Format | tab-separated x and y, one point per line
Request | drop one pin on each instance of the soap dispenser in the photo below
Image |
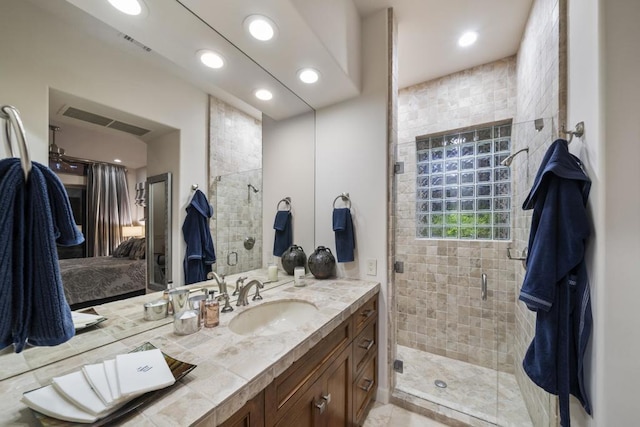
211	311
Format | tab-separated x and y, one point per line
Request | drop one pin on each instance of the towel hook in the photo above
287	201
12	117
194	187
579	131
345	197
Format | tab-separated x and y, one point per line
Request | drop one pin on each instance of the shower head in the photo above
508	160
255	190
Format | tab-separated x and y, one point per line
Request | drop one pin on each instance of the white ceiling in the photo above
428	32
309	34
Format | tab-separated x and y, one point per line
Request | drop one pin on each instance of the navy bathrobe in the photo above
556	285
200	253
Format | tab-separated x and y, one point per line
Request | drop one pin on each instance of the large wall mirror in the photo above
89	52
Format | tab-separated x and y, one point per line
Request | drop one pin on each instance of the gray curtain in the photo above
108	208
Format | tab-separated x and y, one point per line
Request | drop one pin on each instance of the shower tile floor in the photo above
471	389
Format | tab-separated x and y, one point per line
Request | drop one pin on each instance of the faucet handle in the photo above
239	284
257	295
227	307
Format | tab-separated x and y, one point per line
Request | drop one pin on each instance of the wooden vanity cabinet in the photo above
365	360
332	385
250	415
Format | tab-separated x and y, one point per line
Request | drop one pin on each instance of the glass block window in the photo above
462	191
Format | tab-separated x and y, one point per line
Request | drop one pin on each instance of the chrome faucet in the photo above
244	292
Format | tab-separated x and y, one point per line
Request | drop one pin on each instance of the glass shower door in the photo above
237	221
445	330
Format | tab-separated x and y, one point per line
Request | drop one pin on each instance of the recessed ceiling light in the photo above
308	75
260	27
117	160
263	94
130	7
467	39
211	59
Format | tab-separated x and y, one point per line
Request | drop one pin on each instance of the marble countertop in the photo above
231	368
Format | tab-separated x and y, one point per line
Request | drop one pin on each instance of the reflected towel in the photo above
345	238
37	212
284	232
200	253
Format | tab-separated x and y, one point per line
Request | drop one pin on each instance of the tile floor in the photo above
393	416
472	391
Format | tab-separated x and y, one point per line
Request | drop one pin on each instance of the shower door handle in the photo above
483	292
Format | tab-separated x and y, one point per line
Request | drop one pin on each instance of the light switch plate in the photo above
372	268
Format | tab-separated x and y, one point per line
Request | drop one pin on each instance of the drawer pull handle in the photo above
366	344
367	387
367	313
322	404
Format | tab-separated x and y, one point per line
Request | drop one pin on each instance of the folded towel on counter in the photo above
345	238
284	232
37	214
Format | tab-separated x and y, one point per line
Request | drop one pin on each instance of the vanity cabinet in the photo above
250	415
365	359
332	385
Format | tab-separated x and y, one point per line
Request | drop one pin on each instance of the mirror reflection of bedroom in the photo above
100	155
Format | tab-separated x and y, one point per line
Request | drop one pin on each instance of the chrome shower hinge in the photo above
398	267
398	168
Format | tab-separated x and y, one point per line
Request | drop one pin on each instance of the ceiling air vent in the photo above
126	127
87	116
103	121
136	42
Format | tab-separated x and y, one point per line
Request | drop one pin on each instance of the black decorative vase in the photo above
322	264
293	257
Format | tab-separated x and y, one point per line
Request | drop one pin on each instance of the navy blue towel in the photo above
284	232
34	215
345	238
200	253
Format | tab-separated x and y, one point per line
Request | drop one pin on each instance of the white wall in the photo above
604	93
288	162
44	53
351	156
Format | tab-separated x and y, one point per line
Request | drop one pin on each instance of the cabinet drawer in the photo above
279	396
364	388
366	313
364	345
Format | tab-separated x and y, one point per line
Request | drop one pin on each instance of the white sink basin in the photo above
273	318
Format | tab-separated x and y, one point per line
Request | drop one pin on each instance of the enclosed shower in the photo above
465	158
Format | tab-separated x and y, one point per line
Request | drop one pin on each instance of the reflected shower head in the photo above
255	190
508	160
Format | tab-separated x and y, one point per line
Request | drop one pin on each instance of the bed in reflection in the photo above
96	280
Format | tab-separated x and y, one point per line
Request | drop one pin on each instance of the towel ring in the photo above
287	201
345	197
11	114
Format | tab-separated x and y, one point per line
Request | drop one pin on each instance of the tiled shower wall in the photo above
541	94
235	160
439	306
